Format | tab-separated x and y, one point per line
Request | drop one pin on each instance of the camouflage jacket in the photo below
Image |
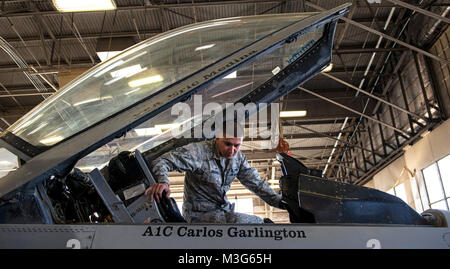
209	176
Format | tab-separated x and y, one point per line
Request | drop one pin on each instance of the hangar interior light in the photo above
83	5
299	113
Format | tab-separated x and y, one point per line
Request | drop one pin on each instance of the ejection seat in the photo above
127	176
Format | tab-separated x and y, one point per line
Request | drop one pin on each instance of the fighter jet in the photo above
269	56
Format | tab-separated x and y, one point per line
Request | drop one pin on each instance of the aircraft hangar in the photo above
377	116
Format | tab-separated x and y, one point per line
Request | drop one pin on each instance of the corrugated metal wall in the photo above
442	71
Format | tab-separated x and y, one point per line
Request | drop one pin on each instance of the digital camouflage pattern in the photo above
208	178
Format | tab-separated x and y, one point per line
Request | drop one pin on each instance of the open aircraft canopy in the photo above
243	59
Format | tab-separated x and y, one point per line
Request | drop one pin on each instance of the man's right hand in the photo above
156	191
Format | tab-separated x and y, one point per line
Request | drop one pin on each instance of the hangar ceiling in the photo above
379	97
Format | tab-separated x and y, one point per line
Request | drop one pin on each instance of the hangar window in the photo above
437	183
399	191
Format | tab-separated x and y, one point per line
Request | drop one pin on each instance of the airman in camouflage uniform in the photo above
209	174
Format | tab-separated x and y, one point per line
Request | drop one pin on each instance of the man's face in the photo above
228	147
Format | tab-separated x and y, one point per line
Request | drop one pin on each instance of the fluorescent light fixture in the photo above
51	140
125	73
128	71
83	5
299	113
105	55
328	68
231	75
205	47
86	101
145	81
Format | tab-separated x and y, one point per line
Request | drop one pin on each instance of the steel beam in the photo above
373	31
369	133
308	135
375	19
391	79
323	163
338	152
80	39
422	86
391	114
338	41
25	94
354	50
420	10
7	91
373	96
330	136
55	65
382	59
315	122
27	13
352	152
383	141
351	169
436	93
342	49
263	155
291	149
362	154
86	36
43	24
15	112
354	111
405	100
393	155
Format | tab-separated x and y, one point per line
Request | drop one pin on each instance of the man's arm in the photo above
250	178
180	159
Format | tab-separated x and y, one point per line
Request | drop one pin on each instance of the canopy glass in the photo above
153	65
